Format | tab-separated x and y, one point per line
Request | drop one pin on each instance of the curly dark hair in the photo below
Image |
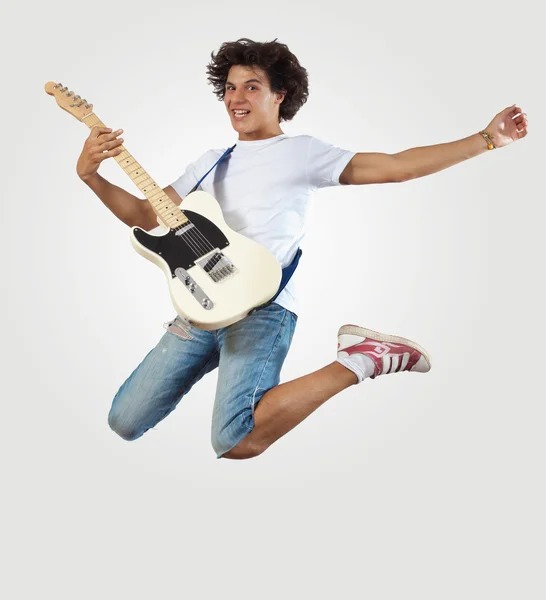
283	70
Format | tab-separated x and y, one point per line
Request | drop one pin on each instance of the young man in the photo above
263	188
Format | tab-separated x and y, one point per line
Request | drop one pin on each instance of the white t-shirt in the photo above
264	188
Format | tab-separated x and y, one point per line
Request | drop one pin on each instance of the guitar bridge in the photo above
217	266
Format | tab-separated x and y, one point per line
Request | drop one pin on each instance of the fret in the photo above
129	169
148	182
137	171
130	166
145	183
126	159
148	189
156	192
166	206
160	204
165	210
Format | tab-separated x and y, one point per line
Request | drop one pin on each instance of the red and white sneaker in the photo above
388	353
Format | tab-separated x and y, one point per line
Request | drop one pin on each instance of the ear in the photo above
281	95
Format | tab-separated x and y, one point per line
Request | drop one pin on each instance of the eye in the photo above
228	87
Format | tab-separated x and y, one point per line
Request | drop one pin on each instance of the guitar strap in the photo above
228	151
288	271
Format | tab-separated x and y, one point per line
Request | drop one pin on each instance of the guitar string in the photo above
195	238
221	270
196	234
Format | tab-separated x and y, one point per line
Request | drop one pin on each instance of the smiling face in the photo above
247	89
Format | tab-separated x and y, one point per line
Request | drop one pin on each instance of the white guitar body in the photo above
224	281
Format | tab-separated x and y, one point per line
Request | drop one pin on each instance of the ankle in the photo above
344	372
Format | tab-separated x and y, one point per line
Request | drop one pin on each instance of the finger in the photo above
113	152
108	144
96	131
512	111
114	134
105	137
521	121
98	157
101	143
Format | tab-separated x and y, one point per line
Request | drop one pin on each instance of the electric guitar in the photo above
215	275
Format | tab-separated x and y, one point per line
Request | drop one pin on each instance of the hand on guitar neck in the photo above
101	144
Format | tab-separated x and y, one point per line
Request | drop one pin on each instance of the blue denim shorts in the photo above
249	355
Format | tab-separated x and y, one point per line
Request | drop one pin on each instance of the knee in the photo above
246	448
125	429
242	453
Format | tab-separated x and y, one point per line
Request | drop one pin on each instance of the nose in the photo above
238	96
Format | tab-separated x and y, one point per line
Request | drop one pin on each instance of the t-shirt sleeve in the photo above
194	171
325	163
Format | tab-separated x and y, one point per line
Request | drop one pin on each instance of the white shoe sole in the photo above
382	337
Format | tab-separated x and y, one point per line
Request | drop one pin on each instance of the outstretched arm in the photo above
375	167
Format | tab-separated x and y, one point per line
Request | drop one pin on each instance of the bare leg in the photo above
281	408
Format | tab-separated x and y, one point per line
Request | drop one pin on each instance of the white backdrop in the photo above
409	486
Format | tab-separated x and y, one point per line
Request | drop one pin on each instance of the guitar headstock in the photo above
69	101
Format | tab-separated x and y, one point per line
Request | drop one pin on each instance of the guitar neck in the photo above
169	213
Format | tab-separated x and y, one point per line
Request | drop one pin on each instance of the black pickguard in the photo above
183	251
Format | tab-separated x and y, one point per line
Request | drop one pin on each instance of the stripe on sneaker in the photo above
403	362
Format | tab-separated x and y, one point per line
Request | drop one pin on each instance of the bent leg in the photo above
252	352
167	373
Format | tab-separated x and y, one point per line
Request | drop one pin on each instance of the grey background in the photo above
408	486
